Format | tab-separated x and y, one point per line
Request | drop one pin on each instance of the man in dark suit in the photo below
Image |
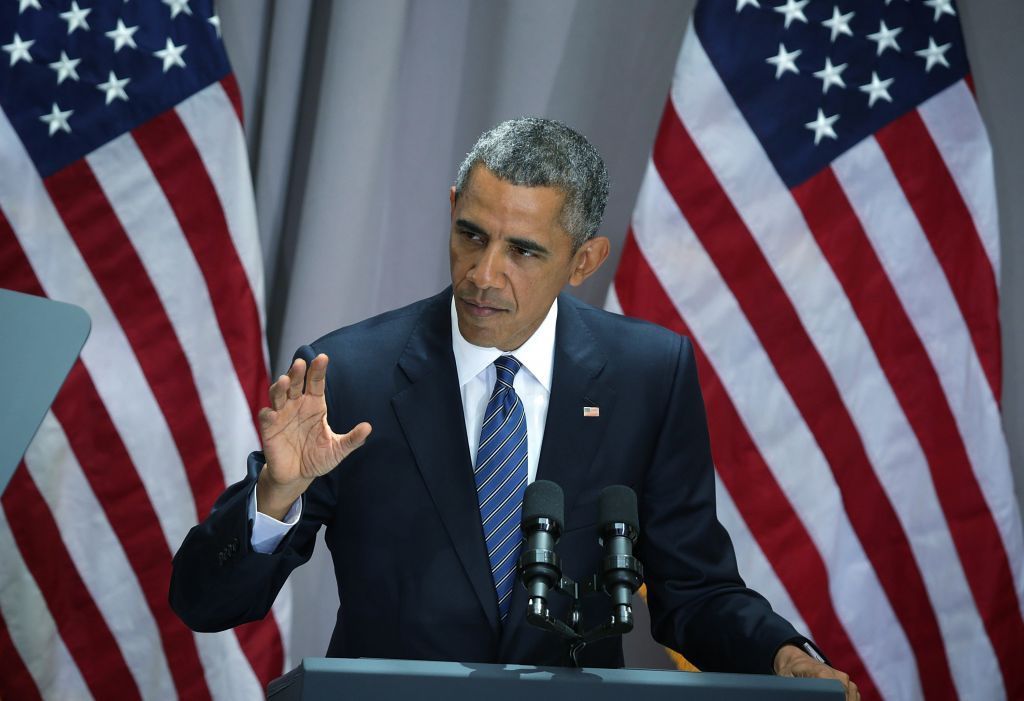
421	516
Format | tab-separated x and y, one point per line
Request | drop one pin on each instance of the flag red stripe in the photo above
115	483
772	520
81	625
230	85
741	263
935	199
907	367
261	641
126	286
16	681
179	169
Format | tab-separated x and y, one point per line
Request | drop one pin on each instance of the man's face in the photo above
510	257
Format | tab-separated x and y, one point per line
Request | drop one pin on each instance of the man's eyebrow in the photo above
470	226
518	242
527	245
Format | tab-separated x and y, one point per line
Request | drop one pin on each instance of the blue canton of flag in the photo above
840	71
75	76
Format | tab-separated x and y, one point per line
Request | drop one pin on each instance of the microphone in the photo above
621	572
539	565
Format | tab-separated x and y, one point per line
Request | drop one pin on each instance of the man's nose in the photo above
489	270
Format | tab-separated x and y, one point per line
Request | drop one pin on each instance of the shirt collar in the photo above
537	354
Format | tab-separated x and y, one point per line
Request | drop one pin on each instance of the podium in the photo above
319	679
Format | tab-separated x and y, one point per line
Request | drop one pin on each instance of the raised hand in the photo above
298	443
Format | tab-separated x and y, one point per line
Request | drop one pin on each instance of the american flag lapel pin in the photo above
591	412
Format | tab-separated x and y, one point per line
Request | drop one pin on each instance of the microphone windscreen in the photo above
617	504
544	499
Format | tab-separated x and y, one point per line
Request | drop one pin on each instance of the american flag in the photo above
124	188
818	214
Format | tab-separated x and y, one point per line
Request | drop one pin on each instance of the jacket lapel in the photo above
430	413
571	438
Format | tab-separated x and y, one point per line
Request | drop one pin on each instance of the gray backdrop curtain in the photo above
359	111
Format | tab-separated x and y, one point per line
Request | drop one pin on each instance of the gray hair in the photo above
532	151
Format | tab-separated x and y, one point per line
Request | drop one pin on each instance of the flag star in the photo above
122	36
25	4
18	49
75	17
784	61
822	126
831	75
886	38
941	7
934	54
740	4
877	89
215	21
57	119
65	68
839	24
178	6
114	87
793	9
171	55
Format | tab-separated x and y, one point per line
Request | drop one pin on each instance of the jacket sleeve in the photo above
699	604
217	580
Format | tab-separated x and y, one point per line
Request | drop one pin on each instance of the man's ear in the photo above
588	259
451	199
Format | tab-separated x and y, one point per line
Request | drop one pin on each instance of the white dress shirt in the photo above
475	368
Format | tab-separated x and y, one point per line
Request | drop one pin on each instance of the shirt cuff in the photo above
267	531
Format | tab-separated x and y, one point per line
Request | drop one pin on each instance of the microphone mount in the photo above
621	575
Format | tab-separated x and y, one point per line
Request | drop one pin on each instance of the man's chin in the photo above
478	331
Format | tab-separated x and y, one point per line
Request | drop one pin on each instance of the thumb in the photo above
354	439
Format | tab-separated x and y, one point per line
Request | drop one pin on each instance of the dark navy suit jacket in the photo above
402	520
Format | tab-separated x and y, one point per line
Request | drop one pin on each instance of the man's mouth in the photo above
480	308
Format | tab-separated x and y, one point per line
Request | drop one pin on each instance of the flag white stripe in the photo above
611	302
32	628
228	673
221	146
709	308
149	222
774	220
99	558
921	285
753	564
955	126
107	354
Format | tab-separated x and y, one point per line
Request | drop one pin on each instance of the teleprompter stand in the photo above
39	342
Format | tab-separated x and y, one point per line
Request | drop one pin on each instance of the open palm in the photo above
298	443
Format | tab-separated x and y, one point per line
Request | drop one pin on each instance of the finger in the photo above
279	392
354	439
266	417
296	374
316	377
